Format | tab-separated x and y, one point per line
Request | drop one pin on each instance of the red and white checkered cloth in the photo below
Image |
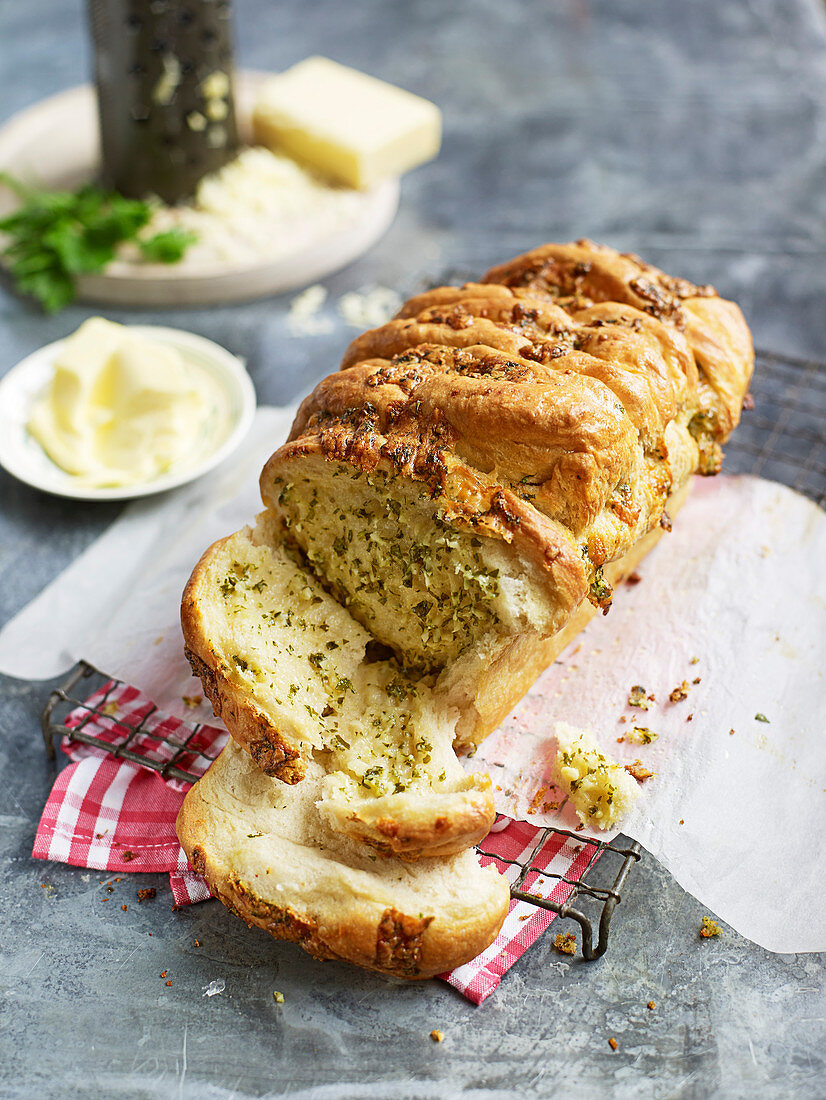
115	815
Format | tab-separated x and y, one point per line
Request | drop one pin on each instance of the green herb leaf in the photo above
761	718
58	235
167	247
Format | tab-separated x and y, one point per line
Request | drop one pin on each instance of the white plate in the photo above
23	456
57	144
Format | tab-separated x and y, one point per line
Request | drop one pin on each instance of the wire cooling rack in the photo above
783	437
186	756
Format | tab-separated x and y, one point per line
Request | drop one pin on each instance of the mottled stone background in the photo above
693	132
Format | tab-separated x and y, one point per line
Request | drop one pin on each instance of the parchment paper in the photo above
734	596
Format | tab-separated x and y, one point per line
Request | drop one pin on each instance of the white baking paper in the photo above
734	596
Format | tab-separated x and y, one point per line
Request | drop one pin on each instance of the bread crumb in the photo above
642	735
598	787
613	1044
147	894
639	772
710	928
127	856
680	692
192	700
123	907
436	1035
163	973
637	697
694	661
169	983
633	578
652	1005
565	943
278	997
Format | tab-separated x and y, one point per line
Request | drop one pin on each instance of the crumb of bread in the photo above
565	943
436	1035
680	692
639	772
642	735
600	790
637	697
652	1005
613	1044
710	928
278	997
147	893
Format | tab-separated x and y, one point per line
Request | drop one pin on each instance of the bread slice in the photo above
297	682
271	857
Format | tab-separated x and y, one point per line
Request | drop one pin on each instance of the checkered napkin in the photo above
116	815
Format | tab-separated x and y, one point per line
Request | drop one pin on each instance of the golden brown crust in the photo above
464	822
575	384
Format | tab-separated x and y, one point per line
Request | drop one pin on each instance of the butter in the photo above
349	126
121	408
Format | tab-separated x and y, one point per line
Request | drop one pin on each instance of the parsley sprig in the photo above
57	235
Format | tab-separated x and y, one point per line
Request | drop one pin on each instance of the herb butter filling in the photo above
420	584
306	663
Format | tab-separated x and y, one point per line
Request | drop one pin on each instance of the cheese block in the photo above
349	126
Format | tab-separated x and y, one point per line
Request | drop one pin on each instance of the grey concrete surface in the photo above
694	133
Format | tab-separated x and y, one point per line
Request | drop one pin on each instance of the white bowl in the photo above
26	460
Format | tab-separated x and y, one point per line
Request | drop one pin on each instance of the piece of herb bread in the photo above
296	678
271	857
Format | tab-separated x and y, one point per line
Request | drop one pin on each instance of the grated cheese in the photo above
305	317
260	206
369	307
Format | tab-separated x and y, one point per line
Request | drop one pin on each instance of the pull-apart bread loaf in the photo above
449	510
